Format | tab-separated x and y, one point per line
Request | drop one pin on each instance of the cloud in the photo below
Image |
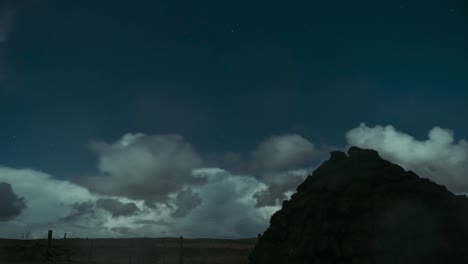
117	208
47	198
227	208
282	152
279	185
438	157
48	201
80	210
10	204
282	162
146	167
223	207
152	185
185	201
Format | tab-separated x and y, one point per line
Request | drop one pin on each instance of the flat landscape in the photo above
128	251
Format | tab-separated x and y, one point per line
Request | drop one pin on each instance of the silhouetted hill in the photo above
360	208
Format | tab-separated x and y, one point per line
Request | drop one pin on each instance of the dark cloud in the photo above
282	162
117	208
279	185
79	210
185	201
10	204
146	167
126	231
276	194
152	222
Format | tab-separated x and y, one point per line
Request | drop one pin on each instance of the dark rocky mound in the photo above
361	208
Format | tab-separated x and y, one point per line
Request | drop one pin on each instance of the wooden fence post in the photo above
49	244
49	239
90	248
181	250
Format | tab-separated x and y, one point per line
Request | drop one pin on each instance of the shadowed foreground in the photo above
127	251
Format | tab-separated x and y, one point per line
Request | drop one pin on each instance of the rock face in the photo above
360	208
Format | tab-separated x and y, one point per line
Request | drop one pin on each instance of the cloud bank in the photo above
158	185
150	185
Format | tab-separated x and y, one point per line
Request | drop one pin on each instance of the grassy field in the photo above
127	251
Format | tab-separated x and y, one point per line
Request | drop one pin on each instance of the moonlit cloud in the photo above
283	152
47	200
438	157
282	162
226	199
156	185
279	184
146	167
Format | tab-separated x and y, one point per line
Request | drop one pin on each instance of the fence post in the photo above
89	251
49	244
49	239
181	250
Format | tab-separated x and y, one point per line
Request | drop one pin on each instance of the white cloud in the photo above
227	208
438	157
47	199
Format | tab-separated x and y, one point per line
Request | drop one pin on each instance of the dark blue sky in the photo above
225	75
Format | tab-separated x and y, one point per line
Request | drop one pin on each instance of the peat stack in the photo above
360	208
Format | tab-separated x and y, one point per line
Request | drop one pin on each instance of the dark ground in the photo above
128	251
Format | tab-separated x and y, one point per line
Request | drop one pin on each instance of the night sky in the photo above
197	118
